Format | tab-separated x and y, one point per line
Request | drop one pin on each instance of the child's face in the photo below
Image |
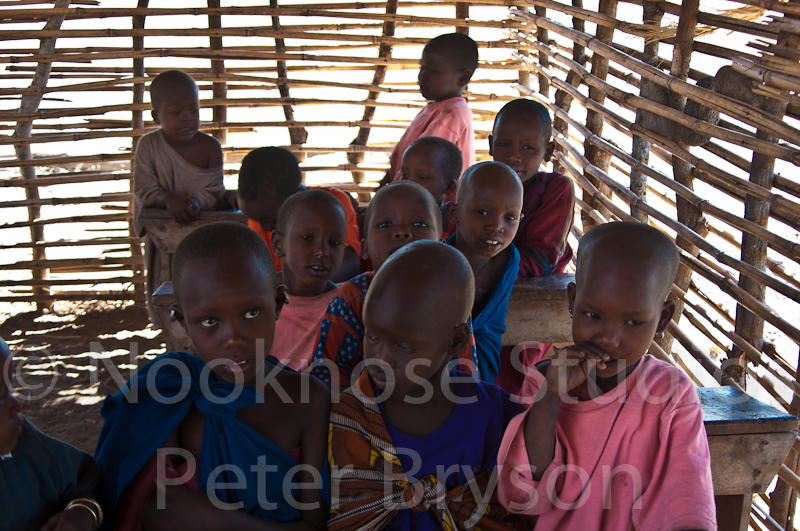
517	140
10	418
264	209
617	309
404	343
312	248
400	219
438	77
178	114
228	307
487	216
422	164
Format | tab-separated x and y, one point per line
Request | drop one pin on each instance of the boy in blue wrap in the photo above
487	213
225	437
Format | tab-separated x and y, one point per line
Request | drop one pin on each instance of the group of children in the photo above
370	404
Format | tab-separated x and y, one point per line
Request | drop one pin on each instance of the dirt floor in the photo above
67	361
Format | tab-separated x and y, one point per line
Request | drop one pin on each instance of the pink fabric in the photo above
649	427
450	119
297	327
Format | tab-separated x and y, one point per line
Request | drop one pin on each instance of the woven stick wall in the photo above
705	150
657	122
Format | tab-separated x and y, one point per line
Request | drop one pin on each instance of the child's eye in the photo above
252	314
421	224
382	225
481	212
402	347
334	242
306	237
208	322
527	147
372	338
633	322
403	176
512	217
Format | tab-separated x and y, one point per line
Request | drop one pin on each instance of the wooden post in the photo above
754	251
563	98
688	214
462	13
219	89
384	51
640	150
594	120
297	135
137	122
543	36
30	104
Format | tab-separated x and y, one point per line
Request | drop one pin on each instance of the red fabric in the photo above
450	119
548	204
353	234
510	377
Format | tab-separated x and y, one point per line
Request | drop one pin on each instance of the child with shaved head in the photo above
227	434
614	439
487	212
413	443
177	167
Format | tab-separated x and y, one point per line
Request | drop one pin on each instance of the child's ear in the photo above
154	116
548	153
667	311
459	340
490	146
364	250
463	77
176	313
277	243
281	298
452	214
450	188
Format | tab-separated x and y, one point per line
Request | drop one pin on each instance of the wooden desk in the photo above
167	234
748	441
538	310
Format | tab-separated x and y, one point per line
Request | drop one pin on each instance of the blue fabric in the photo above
469	439
39	479
137	424
489	325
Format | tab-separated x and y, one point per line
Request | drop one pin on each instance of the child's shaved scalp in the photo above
643	246
451	155
478	171
308	197
538	114
432	271
461	49
222	239
168	81
386	193
269	169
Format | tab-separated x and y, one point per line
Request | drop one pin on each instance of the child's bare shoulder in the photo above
208	146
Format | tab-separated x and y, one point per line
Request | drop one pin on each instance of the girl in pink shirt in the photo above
614	438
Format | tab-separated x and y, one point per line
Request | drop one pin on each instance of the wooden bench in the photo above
538	310
166	233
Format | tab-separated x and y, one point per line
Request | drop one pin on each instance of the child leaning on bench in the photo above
176	167
521	138
45	483
413	444
190	438
614	438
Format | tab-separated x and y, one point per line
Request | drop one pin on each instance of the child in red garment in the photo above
447	64
521	138
268	176
435	164
309	240
614	439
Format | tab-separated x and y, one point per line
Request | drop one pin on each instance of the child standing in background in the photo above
487	213
309	241
614	439
45	483
177	167
447	64
435	164
413	444
267	178
521	138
